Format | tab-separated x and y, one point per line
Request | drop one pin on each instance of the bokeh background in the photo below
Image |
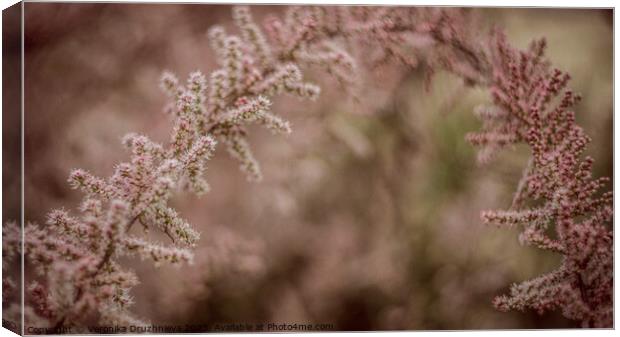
368	216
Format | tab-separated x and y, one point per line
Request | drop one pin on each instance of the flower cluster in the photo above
76	256
241	91
558	203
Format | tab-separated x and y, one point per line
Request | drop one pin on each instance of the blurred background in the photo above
368	216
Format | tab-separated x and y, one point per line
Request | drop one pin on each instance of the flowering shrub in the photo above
557	201
531	104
